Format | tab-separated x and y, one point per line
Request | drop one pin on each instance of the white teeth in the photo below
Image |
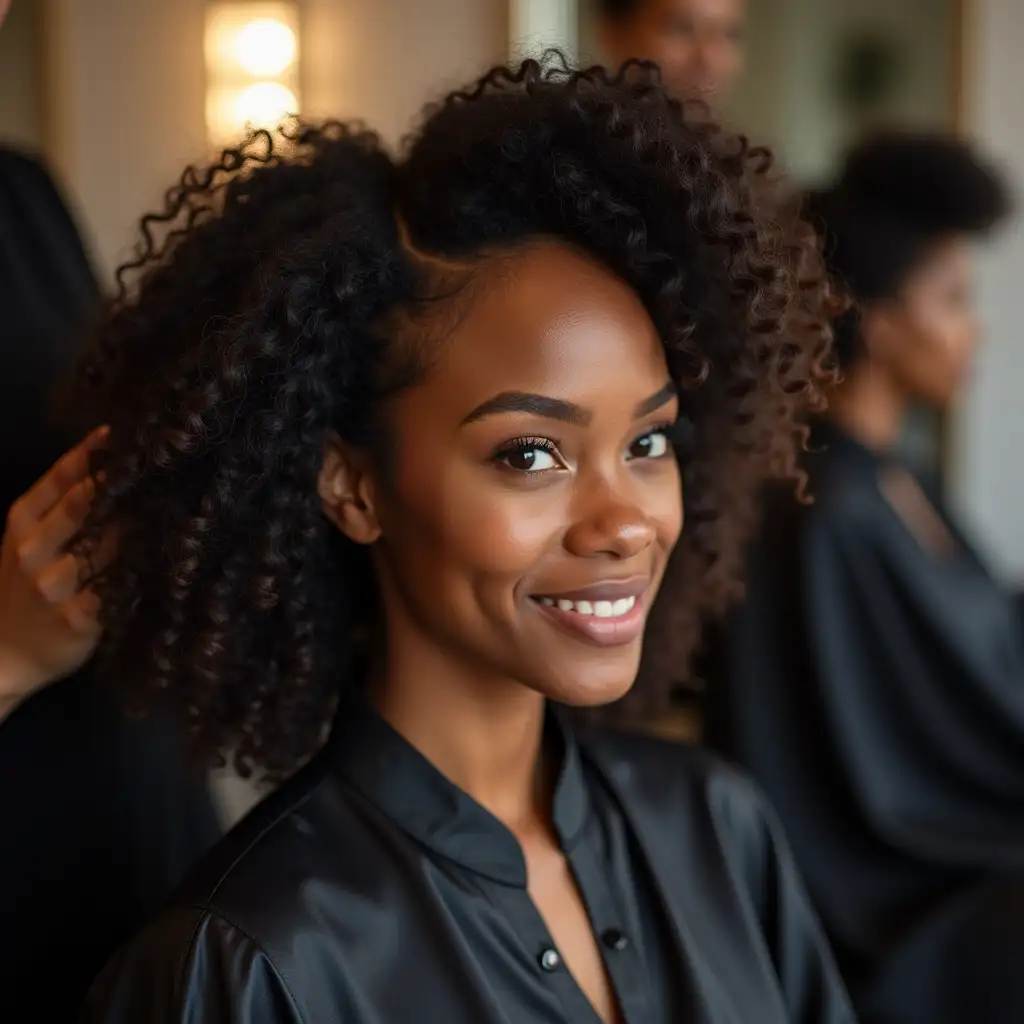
599	609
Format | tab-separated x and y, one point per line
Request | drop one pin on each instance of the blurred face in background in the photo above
4	5
697	43
927	337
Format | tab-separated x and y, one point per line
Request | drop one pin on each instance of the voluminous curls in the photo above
252	323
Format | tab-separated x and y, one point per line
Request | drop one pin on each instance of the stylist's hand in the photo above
48	623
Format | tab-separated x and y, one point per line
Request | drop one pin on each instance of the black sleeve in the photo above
191	967
802	958
105	821
45	222
920	684
49	295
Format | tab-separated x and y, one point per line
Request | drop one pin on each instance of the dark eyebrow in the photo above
557	408
656	401
537	405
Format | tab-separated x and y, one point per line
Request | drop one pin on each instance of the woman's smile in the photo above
608	614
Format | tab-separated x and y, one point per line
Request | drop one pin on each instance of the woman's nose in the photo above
612	528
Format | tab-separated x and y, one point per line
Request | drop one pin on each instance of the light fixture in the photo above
252	66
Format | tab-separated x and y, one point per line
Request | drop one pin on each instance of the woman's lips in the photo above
605	622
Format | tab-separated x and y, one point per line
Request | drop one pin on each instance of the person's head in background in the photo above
698	44
898	228
4	6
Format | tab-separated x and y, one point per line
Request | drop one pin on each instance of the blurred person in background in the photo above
395	452
697	44
97	817
873	678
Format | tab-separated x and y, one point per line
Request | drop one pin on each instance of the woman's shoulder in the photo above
15	164
698	817
249	912
164	976
680	781
257	875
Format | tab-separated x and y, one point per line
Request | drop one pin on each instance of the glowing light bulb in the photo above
264	47
264	105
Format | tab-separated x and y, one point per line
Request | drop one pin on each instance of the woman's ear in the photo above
346	489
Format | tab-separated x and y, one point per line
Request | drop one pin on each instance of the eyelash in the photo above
676	433
524	444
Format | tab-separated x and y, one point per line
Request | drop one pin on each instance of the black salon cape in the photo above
876	692
98	820
370	890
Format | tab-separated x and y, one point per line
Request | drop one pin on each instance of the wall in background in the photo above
125	85
380	60
21	77
537	25
125	99
789	96
988	433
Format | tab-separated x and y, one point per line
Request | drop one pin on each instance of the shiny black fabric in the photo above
876	692
99	823
48	294
98	819
371	890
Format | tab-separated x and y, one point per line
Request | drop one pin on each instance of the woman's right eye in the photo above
529	455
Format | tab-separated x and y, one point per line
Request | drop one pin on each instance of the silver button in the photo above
550	959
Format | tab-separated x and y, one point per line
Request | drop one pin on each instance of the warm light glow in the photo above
265	47
252	66
264	105
229	112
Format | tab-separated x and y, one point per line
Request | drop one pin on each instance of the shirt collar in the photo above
394	776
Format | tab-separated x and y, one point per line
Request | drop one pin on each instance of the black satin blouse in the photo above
371	890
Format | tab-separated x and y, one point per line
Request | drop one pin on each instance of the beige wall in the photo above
125	86
989	429
125	106
787	97
21	98
380	60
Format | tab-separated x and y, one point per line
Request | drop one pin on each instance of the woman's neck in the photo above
869	407
485	737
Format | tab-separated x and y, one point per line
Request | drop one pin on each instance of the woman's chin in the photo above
590	689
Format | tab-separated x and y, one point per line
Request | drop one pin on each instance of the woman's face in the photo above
933	334
533	498
698	44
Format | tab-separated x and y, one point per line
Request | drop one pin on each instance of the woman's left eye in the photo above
651	446
530	455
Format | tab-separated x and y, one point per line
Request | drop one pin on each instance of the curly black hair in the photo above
897	194
268	306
